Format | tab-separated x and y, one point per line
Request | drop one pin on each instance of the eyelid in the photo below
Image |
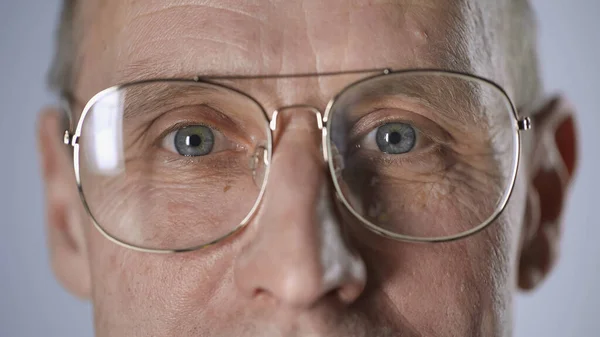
423	125
172	130
188	115
221	142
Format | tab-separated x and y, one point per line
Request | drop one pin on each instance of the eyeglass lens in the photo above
175	164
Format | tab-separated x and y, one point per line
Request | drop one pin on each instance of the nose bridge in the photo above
303	108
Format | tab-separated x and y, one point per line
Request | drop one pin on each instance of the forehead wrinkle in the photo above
145	40
177	13
450	48
420	3
441	47
175	65
440	51
442	27
219	4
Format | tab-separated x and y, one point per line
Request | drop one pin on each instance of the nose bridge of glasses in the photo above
301	108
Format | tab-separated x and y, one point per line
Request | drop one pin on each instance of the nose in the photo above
297	254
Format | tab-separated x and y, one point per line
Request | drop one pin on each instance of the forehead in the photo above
126	40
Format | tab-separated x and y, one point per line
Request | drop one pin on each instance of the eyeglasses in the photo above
172	165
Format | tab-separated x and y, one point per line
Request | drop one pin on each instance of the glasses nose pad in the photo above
343	181
337	160
259	161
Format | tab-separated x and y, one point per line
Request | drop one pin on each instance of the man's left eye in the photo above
392	138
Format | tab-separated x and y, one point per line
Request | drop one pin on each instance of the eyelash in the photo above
356	137
361	127
177	126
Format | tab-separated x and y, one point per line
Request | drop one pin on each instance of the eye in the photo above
394	138
194	141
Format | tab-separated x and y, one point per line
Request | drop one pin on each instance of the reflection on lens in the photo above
169	165
446	153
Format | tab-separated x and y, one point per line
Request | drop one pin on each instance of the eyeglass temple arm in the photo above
66	99
524	123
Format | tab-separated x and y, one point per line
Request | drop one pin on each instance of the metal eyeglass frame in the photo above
520	124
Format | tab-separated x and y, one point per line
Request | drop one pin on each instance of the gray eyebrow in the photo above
155	67
158	95
455	100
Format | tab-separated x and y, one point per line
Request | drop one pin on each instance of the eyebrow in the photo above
163	68
158	96
455	100
438	54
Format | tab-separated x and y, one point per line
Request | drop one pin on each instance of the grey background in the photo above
32	303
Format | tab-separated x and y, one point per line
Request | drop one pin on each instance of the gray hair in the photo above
61	75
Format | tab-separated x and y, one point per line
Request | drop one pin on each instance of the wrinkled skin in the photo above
303	266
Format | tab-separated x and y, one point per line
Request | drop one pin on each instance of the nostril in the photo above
350	282
350	293
258	292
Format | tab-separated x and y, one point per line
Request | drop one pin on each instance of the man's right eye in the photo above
195	141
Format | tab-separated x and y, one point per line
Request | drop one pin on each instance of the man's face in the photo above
301	267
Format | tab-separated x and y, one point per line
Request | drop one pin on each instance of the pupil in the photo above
194	140
394	138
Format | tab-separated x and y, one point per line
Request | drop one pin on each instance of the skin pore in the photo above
303	267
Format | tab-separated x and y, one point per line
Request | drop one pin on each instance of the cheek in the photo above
175	208
138	294
443	202
463	287
456	289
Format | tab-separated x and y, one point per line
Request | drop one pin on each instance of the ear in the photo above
63	207
552	165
